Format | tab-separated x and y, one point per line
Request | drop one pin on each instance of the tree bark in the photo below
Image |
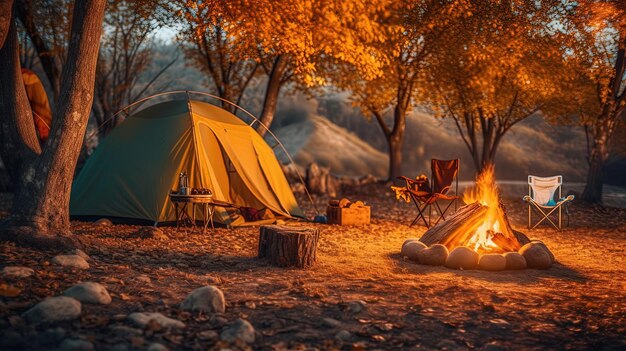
288	246
42	196
599	154
272	91
6	9
19	143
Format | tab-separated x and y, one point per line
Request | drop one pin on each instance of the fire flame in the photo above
486	193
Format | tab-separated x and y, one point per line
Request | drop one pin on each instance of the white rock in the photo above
536	255
53	309
462	257
104	222
76	345
410	249
155	346
17	272
435	255
241	329
142	319
89	292
409	240
492	262
81	253
515	261
205	299
356	306
74	261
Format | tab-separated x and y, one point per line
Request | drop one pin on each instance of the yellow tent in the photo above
133	170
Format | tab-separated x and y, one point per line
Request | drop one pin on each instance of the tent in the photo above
136	166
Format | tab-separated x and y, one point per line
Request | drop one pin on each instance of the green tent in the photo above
133	170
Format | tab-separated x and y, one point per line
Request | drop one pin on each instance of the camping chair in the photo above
443	174
541	198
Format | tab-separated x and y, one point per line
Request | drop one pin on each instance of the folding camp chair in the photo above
444	174
541	198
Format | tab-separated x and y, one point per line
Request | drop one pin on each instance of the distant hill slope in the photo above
316	139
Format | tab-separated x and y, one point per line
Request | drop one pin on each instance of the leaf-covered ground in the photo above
580	303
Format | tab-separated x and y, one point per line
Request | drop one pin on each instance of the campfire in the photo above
479	231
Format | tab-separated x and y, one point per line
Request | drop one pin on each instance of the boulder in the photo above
53	309
408	241
514	261
492	262
356	306
545	247
80	253
73	261
343	335
536	256
142	319
435	255
240	330
89	292
205	299
411	248
462	257
17	272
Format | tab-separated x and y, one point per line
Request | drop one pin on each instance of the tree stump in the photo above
287	246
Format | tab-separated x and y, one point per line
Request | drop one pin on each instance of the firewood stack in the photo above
346	212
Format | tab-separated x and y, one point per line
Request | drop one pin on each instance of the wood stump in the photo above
287	246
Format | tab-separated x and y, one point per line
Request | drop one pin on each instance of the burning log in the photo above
459	227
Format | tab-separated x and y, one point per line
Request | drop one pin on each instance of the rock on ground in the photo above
89	292
356	306
435	255
545	247
80	253
17	272
73	261
205	299
54	309
409	240
515	261
492	262
155	346
151	233
103	222
411	248
240	330
536	256
142	319
462	257
76	345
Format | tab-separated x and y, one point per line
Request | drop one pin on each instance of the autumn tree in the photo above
501	64
43	177
236	41
412	34
599	32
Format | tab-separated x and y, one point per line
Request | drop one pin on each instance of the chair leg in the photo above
529	216
546	216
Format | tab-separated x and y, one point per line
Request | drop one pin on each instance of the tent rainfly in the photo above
133	170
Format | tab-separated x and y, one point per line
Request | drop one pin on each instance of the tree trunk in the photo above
42	196
288	246
593	186
6	9
274	83
395	156
19	142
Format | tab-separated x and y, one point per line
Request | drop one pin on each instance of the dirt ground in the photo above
580	303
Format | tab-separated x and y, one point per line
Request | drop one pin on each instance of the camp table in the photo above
182	215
